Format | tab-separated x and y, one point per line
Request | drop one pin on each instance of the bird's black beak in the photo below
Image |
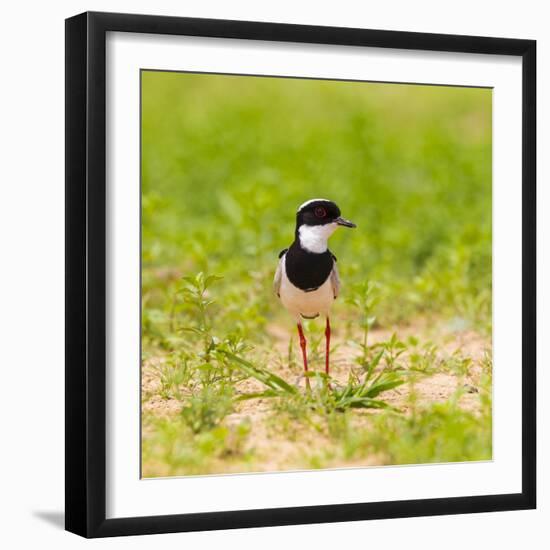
345	223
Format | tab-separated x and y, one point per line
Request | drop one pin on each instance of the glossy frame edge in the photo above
85	274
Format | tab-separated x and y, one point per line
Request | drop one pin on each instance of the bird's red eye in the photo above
320	212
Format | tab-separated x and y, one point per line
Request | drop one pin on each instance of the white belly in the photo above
306	304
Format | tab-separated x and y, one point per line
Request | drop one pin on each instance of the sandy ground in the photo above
276	448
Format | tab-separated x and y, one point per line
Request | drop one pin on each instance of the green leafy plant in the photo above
195	292
174	374
353	395
207	408
364	300
393	350
440	432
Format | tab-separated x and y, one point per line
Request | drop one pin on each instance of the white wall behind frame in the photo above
31	293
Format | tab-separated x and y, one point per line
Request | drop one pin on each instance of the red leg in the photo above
327	348
304	351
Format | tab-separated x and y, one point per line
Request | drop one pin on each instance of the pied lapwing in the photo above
307	279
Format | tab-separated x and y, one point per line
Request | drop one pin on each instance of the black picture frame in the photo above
86	274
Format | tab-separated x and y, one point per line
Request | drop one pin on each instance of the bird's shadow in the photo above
55	518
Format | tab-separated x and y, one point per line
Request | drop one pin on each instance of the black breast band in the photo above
307	270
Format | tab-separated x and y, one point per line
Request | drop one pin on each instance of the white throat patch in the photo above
314	238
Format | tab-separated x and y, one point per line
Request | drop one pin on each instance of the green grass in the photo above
225	162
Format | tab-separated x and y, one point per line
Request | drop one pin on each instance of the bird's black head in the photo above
320	212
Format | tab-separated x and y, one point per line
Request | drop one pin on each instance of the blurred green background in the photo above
226	160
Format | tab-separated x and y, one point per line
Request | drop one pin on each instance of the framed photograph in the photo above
300	274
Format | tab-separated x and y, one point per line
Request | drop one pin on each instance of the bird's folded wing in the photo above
278	276
335	281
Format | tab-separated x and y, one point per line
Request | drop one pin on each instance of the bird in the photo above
306	279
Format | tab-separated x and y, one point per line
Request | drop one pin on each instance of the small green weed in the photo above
207	408
172	448
356	394
441	432
174	375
